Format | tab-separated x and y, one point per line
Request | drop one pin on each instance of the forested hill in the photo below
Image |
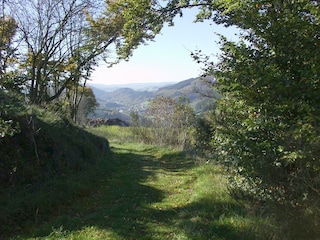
127	99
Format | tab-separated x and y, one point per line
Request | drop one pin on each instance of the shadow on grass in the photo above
205	219
121	203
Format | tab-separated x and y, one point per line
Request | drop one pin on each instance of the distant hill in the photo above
199	92
128	96
179	85
135	86
124	100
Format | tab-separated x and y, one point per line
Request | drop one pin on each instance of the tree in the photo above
271	88
8	27
267	124
9	107
82	103
58	44
161	111
139	20
171	121
134	118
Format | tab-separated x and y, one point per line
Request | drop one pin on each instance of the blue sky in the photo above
167	58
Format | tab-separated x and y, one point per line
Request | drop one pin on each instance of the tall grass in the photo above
114	133
174	138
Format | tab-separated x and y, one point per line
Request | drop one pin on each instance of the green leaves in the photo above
8	28
268	123
136	21
10	108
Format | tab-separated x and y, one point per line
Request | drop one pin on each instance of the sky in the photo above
167	58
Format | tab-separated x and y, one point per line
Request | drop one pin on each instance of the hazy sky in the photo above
167	58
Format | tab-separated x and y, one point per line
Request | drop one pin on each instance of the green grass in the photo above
143	192
114	133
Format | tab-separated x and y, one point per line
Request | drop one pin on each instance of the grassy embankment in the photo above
141	192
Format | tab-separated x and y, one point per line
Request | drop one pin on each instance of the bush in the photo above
203	135
172	123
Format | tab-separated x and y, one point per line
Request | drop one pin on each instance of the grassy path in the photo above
148	193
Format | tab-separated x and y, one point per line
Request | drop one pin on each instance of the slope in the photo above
48	151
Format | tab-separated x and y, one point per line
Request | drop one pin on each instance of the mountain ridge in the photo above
125	100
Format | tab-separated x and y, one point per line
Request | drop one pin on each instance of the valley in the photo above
120	101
